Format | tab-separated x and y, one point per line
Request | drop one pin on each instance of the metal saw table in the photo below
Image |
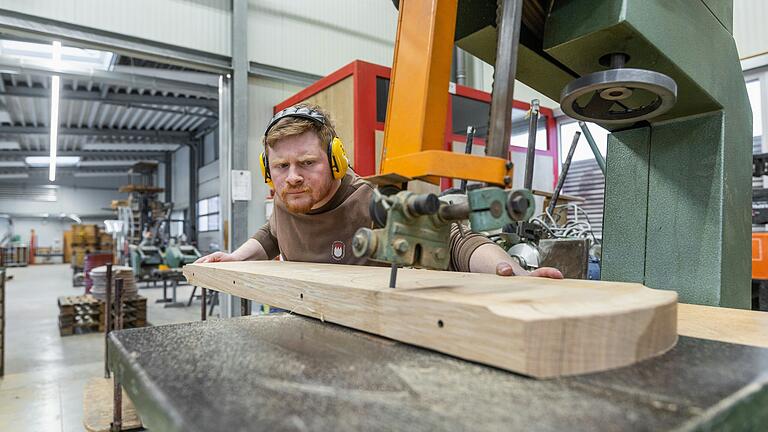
285	372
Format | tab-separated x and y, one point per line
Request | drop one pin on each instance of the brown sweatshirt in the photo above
324	235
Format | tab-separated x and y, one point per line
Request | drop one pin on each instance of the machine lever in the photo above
531	154
563	173
593	145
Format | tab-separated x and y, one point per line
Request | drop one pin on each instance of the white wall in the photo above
749	29
49	232
180	167
80	201
522	93
89	204
203	25
208	186
319	37
208	180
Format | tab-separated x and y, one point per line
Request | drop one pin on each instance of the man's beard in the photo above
308	199
298	206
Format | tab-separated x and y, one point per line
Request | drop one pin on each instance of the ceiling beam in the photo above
113	98
136	154
166	136
110	77
64	170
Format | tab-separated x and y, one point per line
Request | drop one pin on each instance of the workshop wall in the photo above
49	231
180	190
80	201
482	79
208	180
198	24
87	203
749	28
319	37
208	186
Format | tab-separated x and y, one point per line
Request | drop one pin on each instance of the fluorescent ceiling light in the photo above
95	163
43	161
14	176
9	145
12	164
129	147
71	57
99	174
55	88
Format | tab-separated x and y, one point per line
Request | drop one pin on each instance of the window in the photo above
208	214
382	93
469	112
177	223
583	151
753	92
520	122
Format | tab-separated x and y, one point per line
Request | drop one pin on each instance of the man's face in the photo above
300	171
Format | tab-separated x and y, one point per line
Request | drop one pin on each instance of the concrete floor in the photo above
45	374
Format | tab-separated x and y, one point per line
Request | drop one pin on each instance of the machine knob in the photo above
520	205
364	242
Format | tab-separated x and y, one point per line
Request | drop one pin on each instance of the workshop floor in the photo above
45	374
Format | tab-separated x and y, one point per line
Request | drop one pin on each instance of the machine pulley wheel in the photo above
617	96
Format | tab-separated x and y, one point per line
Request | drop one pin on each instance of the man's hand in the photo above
506	269
216	257
490	257
250	250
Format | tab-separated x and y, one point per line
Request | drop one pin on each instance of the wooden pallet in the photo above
86	313
134	313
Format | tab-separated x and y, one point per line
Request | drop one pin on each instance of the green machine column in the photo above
678	189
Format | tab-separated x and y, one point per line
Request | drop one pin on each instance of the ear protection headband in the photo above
337	156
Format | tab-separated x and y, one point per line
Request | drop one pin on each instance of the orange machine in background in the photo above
760	255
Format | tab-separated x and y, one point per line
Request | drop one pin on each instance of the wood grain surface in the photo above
533	326
738	326
98	407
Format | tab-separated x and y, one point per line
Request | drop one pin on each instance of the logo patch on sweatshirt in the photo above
337	250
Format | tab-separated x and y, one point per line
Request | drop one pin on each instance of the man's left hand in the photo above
506	269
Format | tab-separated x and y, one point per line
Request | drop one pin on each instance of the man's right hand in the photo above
216	257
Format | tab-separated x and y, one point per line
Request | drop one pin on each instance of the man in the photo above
320	204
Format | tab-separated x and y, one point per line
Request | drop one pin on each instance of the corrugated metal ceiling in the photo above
99	120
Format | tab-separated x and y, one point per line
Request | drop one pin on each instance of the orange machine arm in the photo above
418	103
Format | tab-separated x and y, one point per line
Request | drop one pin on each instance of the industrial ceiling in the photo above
110	115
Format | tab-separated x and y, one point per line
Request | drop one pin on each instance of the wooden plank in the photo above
98	405
534	326
737	326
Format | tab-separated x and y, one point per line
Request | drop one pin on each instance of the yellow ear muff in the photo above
337	157
264	164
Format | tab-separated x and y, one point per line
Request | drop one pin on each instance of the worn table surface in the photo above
285	372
